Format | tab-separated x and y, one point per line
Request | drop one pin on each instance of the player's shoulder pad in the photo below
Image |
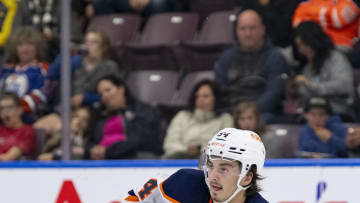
186	186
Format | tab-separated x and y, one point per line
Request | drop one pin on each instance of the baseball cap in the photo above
319	102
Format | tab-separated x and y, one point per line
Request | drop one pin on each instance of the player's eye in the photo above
209	164
224	170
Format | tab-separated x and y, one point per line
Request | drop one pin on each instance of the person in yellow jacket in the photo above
338	18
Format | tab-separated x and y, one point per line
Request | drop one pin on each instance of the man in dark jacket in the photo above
252	69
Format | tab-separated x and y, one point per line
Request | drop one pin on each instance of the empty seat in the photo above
218	28
162	32
286	140
182	95
155	87
216	35
120	28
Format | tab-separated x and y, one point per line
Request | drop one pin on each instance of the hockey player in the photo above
233	164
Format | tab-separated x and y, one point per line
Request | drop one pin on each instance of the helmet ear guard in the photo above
232	144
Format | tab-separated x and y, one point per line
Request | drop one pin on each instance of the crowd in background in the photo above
292	62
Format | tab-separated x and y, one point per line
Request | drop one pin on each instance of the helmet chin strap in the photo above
239	189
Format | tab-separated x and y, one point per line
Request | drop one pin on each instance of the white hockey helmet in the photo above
241	145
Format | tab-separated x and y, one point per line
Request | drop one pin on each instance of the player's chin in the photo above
218	198
216	192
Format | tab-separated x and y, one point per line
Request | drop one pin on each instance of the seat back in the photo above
182	95
205	7
120	28
286	143
41	138
155	87
218	27
169	28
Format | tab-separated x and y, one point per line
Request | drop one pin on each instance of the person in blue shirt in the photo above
324	135
233	165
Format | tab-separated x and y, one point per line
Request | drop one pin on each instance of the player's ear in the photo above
247	179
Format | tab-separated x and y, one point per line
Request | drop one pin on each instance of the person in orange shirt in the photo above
339	19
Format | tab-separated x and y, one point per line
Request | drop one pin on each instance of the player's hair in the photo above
12	96
254	187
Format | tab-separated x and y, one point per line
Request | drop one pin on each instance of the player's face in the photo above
222	178
205	99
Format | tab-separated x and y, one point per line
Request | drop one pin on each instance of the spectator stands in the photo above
165	54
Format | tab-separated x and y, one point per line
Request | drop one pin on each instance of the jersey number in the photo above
148	188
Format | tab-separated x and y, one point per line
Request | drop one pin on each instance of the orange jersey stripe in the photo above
132	198
167	197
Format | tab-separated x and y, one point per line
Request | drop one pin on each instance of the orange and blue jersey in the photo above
184	186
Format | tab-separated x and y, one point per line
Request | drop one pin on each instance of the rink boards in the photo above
286	181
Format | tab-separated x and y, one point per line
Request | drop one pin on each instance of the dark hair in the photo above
249	105
254	187
313	36
117	81
21	35
215	88
12	96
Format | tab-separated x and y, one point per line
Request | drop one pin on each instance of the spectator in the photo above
190	130
24	72
17	140
338	18
45	16
353	142
87	69
130	129
323	135
247	117
251	69
79	130
145	7
277	15
327	72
